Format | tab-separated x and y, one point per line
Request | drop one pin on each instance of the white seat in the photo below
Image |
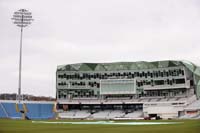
135	114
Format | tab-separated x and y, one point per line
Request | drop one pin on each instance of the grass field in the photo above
24	126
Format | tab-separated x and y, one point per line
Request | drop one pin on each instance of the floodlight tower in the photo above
22	18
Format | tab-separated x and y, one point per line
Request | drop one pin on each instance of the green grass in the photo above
24	126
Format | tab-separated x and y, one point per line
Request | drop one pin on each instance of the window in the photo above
151	75
159	82
161	74
180	81
182	72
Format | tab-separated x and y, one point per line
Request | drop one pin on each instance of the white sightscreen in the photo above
117	86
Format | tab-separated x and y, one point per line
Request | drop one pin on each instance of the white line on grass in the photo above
107	123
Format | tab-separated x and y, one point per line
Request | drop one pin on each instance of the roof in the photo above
116	66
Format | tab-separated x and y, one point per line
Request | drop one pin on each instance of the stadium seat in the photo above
39	111
11	110
2	112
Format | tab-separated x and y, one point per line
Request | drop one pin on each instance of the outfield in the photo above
22	126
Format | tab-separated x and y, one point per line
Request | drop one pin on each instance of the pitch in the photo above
24	126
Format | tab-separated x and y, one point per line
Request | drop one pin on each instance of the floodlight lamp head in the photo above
22	18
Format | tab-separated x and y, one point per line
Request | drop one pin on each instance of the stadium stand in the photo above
3	113
39	111
101	114
159	88
116	114
194	106
11	110
107	114
191	111
70	114
82	114
189	116
135	114
32	110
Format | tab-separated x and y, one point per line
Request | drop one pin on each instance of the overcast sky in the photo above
75	31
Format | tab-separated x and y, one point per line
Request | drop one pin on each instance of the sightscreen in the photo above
117	86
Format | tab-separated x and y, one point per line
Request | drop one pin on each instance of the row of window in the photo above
160	82
165	73
138	83
90	93
80	84
77	93
94	108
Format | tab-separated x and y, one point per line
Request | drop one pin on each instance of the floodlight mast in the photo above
22	18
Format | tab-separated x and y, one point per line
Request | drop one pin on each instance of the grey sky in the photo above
73	31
